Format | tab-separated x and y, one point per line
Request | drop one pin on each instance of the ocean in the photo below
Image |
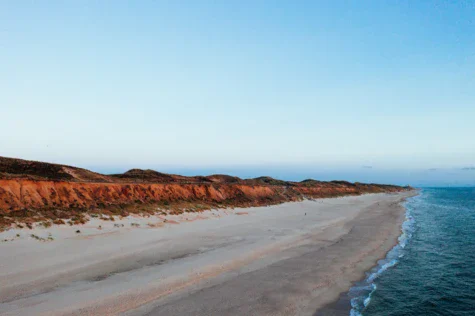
432	269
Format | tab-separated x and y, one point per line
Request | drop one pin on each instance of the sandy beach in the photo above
288	259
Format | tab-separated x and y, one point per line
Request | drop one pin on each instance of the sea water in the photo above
432	269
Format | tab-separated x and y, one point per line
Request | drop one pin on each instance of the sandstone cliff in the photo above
35	191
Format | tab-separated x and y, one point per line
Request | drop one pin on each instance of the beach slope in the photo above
287	259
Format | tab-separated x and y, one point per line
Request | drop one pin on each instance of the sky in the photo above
357	90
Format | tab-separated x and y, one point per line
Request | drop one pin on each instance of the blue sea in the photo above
432	269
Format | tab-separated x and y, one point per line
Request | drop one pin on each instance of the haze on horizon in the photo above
363	91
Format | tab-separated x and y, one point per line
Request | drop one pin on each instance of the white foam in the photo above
365	290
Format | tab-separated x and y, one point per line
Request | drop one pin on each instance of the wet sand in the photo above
288	259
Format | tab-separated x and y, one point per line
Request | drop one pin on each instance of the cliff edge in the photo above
32	191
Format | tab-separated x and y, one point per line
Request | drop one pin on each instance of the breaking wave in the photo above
361	293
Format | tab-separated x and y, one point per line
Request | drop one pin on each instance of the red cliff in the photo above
35	191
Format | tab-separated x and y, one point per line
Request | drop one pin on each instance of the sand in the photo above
288	259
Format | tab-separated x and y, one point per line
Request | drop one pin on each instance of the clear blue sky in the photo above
240	85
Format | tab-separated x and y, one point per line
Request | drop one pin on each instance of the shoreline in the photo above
172	268
341	306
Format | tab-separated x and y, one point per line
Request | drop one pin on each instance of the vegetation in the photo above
68	195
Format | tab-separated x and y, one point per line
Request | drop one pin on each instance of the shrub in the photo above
46	224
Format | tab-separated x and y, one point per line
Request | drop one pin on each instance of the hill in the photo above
32	191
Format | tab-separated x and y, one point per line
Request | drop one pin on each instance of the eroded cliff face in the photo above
33	192
19	194
23	200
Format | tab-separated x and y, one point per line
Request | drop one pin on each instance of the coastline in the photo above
294	257
342	305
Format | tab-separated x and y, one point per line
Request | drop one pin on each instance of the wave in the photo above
362	292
